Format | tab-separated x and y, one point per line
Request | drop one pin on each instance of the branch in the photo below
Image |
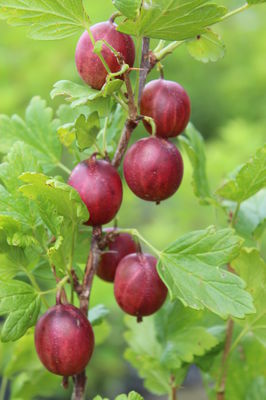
228	341
144	66
123	143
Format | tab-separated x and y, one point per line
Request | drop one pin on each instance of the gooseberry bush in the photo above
201	300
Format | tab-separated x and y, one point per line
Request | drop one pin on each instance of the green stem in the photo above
63	167
121	102
70	265
37	287
99	54
104	134
235	214
135	232
167	50
3	388
234	12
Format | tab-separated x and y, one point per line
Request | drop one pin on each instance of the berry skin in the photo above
138	289
168	104
64	340
100	188
119	247
89	65
153	169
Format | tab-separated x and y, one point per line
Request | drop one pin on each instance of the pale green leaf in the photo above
206	47
37	131
130	8
86	130
22	304
173	19
252	269
249	179
194	146
50	19
190	268
97	314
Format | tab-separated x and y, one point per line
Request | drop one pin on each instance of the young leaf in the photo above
37	131
206	47
194	145
64	198
249	179
173	19
130	8
252	269
22	304
86	130
80	95
50	19
97	314
190	269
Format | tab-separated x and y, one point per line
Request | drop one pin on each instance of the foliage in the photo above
41	218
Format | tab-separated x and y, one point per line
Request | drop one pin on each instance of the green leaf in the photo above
97	314
173	19
249	179
206	47
257	389
130	8
182	333
64	198
80	95
253	2
251	218
50	19
252	269
22	304
193	144
190	269
86	130
144	352
37	131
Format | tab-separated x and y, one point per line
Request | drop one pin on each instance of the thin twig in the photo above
145	65
123	143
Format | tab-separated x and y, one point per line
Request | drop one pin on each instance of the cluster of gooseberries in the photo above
153	170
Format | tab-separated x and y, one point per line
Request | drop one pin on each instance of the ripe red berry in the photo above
89	65
138	289
121	245
64	340
153	169
168	104
100	188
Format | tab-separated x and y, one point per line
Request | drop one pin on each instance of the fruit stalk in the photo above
144	66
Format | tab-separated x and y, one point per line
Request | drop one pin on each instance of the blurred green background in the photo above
228	107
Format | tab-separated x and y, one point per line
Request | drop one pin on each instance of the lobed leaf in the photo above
252	269
47	20
38	131
190	269
22	304
86	130
194	146
206	47
173	19
130	8
249	179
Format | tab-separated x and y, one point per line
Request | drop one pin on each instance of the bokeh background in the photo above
228	107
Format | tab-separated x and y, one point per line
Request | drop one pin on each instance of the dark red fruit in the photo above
64	340
121	245
168	104
139	291
89	65
100	188
153	169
